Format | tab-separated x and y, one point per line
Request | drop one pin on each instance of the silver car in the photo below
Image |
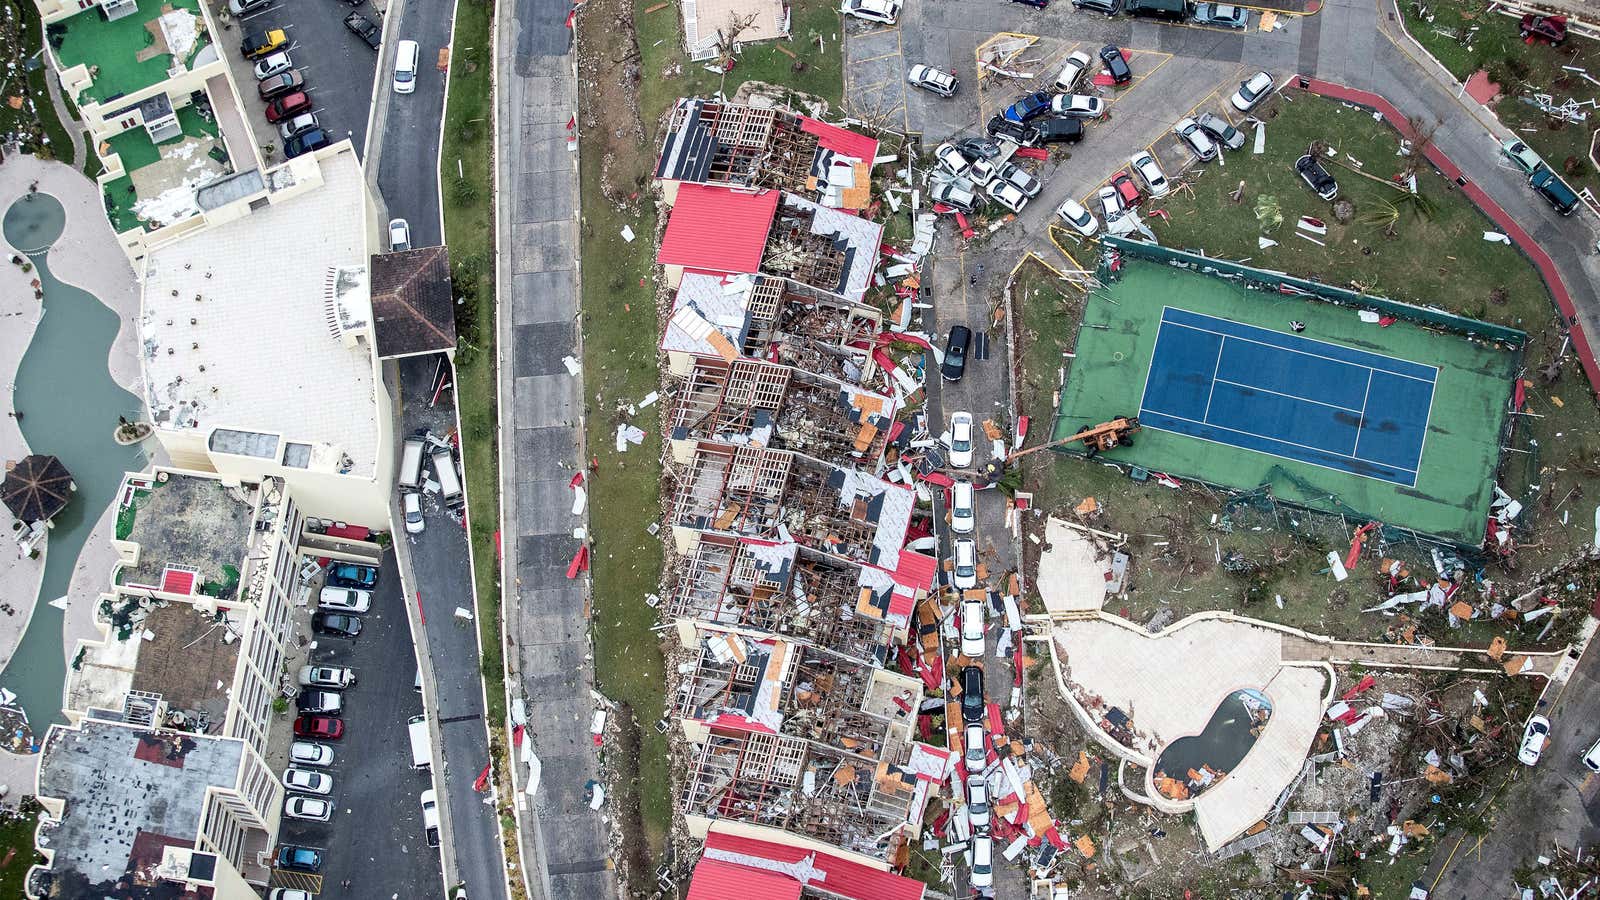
301	123
932	80
1221	14
1011	173
1192	134
1220	131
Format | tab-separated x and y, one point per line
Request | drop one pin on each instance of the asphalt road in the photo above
443	582
375	838
407	156
338	66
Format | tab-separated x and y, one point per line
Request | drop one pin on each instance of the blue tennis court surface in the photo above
1288	396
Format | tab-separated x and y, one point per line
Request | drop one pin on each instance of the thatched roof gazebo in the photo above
37	488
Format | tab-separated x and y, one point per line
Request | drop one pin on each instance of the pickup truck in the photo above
365	29
430	816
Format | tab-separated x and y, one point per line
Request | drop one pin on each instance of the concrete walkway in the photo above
1393	656
565	844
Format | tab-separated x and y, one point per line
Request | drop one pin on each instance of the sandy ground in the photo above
87	255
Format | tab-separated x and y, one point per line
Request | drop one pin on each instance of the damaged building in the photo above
737	145
738	231
726	317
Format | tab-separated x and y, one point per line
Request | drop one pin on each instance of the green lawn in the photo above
1492	43
16	848
469	233
21	41
620	339
124	51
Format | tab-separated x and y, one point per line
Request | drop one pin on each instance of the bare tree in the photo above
1424	129
727	40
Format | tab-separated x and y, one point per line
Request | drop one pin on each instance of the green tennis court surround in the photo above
1282	418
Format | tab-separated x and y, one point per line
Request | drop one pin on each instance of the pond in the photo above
1192	764
68	406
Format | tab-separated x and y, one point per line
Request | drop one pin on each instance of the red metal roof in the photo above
840	140
178	581
915	570
851	880
718	229
715	879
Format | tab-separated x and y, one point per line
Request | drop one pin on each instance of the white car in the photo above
1591	760
978	803
1078	63
972	628
1534	739
960	440
934	81
308	781
974	755
884	11
411	505
951	159
961	519
288	894
336	677
966	564
1078	106
1111	203
311	809
310	753
1008	195
980	172
1150	173
954	195
405	67
399	235
302	122
345	599
1187	129
272	64
1014	174
1251	92
982	861
1081	220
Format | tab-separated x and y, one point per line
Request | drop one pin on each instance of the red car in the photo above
1126	189
324	728
288	105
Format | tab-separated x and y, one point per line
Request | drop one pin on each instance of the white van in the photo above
444	468
411	464
421	744
405	67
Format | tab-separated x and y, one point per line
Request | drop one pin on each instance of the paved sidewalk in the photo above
565	843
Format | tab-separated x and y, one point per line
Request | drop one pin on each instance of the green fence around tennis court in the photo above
1278	281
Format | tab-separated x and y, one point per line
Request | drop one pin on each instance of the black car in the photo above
1055	131
336	624
1111	55
955	353
972	695
1109	7
1025	135
300	859
305	142
1036	4
314	701
1316	177
365	29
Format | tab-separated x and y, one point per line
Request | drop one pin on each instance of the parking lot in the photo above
374	842
338	66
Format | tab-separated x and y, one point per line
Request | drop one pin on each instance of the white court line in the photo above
1412	483
1166	321
1206	416
1262	390
1362	422
1279	441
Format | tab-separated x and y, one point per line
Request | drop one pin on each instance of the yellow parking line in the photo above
905	101
859	89
867	34
895	52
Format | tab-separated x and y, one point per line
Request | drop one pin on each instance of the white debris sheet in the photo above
628	434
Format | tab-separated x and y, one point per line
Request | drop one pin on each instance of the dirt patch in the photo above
609	70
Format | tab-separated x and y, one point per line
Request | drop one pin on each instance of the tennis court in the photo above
1400	423
1287	395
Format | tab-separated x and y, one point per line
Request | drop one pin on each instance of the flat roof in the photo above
279	341
180	652
136	50
186	524
128	793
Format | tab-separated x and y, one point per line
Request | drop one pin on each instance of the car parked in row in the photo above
297	125
1316	177
1150	173
1220	14
315	701
334	677
1251	92
1228	136
352	575
955	353
978	811
1077	106
1078	62
309	809
345	599
1116	63
964	573
365	29
972	628
406	54
259	43
934	81
322	728
288	106
305	142
1109	7
974	749
272	64
1057	131
335	624
1547	184
310	753
299	859
972	699
1534	738
282	83
1190	132
1126	190
961	516
1522	156
1077	218
961	437
308	781
884	12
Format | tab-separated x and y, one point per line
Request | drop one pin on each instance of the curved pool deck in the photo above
84	257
